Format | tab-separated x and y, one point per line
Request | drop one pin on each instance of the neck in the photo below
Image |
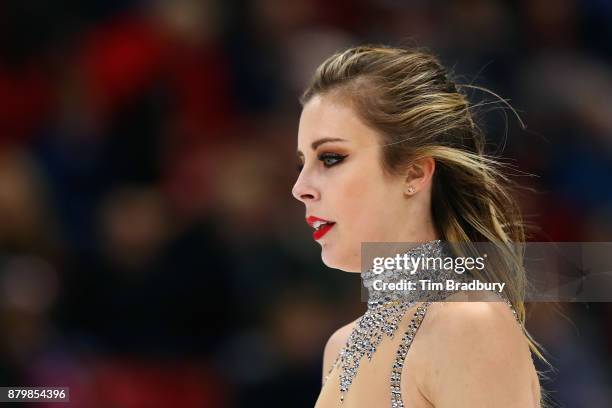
408	277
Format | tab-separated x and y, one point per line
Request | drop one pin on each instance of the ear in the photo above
418	175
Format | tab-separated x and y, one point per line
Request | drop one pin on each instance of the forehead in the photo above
330	116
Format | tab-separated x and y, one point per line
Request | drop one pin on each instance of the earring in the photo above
410	190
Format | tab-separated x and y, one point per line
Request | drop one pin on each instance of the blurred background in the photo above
151	253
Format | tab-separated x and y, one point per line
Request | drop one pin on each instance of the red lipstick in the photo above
320	225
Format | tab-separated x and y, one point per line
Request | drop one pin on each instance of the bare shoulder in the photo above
475	352
336	341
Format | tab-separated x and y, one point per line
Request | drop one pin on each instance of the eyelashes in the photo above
331	159
328	160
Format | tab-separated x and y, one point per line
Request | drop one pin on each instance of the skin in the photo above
467	354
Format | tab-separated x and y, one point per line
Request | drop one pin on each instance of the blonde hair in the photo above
407	95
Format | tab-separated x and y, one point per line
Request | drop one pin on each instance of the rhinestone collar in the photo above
426	271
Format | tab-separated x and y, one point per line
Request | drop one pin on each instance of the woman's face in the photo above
342	181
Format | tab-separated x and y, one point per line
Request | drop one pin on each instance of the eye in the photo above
299	167
331	159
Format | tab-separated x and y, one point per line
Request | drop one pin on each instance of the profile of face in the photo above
342	182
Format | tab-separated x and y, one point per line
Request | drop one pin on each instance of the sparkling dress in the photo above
368	369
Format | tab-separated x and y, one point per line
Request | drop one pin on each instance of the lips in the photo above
321	226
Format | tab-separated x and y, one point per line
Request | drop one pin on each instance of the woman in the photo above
389	152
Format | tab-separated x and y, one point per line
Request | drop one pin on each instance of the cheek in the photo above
357	203
364	197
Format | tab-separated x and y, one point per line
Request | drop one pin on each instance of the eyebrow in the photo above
319	142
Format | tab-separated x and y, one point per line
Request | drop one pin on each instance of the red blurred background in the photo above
151	253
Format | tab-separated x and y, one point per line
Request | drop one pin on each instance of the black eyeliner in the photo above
334	156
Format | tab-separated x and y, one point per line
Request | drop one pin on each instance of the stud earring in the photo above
410	190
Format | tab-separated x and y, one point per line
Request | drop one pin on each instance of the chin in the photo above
335	260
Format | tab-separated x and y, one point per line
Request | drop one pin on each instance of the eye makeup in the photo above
331	159
328	159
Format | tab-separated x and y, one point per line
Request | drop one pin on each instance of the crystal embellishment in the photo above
400	356
385	311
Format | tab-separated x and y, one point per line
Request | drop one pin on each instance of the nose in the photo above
303	190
